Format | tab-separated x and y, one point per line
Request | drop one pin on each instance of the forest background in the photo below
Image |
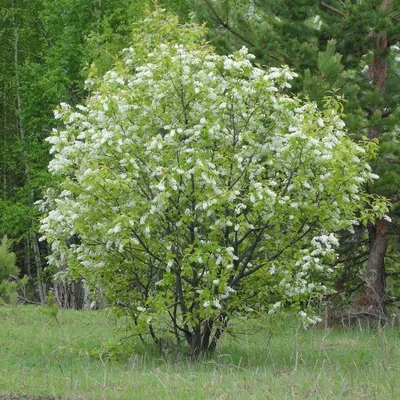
345	48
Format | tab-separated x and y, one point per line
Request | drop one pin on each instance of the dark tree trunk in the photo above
207	335
204	338
195	343
375	277
378	233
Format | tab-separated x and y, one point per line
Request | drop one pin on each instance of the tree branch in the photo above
334	10
226	26
238	35
391	160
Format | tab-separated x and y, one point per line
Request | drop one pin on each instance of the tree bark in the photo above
207	335
195	343
378	233
39	269
86	296
375	277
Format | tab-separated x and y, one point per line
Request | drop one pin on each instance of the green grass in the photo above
38	359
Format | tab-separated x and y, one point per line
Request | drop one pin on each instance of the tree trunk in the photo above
375	277
86	296
71	294
27	260
195	343
207	335
39	270
378	233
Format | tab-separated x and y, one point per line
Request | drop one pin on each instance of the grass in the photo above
39	359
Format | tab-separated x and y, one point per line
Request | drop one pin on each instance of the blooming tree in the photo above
195	187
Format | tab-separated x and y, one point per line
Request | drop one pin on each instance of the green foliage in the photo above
46	49
7	261
114	30
51	308
8	272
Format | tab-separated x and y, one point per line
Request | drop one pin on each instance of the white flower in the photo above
217	304
117	228
161	186
387	218
169	265
274	307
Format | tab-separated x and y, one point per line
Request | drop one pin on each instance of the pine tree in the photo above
348	48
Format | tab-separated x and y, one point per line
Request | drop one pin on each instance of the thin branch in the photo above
226	26
393	258
145	246
386	112
353	259
238	35
391	160
334	10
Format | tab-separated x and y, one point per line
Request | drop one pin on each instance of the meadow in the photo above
41	358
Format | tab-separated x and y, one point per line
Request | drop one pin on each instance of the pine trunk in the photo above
375	277
378	233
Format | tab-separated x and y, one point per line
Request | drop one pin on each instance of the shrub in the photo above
195	187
